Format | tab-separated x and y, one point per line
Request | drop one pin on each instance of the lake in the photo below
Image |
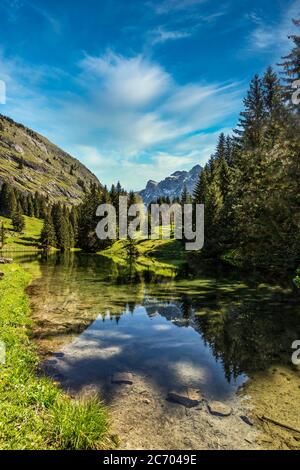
216	332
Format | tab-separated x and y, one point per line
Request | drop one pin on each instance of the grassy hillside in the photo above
32	163
26	241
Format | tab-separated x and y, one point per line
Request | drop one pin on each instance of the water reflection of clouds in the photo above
170	356
161	327
188	371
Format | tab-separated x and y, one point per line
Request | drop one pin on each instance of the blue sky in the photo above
136	89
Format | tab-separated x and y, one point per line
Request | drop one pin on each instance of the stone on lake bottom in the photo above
219	409
58	354
89	392
247	420
188	397
122	378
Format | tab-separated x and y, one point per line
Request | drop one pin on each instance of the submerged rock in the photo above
188	397
1	275
219	409
58	354
247	420
122	378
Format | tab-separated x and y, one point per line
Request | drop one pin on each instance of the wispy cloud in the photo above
186	23
132	118
52	21
127	117
14	9
167	6
160	35
268	36
119	128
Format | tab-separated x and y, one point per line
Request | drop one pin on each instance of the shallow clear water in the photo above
208	332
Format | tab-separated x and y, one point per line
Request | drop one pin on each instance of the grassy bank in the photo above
29	240
34	412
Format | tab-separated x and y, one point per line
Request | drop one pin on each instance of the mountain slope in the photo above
172	186
32	163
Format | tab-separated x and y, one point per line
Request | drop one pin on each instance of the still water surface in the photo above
209	332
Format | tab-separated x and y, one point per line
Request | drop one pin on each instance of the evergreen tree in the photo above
48	237
229	151
252	119
87	237
18	220
63	235
2	235
74	223
30	206
274	108
201	187
8	201
185	197
62	227
291	70
221	146
113	194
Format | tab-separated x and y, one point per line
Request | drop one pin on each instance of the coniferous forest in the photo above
251	185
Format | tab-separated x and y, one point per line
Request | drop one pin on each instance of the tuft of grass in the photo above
34	412
79	424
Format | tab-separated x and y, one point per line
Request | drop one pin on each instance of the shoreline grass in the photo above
34	412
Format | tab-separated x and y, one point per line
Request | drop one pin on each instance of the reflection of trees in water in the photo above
244	331
250	337
179	312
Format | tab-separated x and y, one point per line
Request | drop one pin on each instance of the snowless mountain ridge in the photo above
172	186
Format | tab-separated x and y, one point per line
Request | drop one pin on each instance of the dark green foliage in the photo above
8	201
291	70
2	235
131	250
250	126
250	186
63	227
48	236
185	196
87	237
18	221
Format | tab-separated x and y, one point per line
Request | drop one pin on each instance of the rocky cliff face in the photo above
172	186
32	163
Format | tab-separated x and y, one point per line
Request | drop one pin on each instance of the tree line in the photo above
250	186
14	204
64	227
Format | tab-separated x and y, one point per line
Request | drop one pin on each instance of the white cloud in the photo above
161	35
126	118
129	82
